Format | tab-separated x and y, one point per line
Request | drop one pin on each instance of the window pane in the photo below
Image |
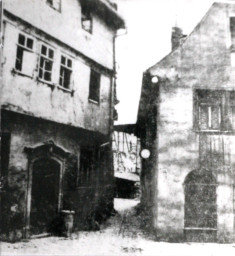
69	63
48	65
40	73
61	81
21	39
63	60
233	116
67	78
44	50
47	76
215	117
30	43
94	93
61	76
203	117
41	62
19	58
51	54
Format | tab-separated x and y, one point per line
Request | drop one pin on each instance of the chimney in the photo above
177	37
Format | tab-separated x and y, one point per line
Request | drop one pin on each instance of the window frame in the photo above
225	111
23	48
86	168
91	97
231	110
68	69
48	59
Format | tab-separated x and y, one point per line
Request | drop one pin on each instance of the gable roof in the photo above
155	70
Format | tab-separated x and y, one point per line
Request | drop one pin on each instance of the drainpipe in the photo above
1	45
112	104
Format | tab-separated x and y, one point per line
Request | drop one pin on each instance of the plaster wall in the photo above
65	25
31	132
29	95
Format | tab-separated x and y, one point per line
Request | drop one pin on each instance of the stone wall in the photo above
203	61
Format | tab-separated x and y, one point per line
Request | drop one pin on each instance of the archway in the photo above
44	195
200	206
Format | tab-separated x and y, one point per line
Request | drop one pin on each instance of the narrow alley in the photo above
122	234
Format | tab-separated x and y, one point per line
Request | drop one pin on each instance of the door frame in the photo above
47	150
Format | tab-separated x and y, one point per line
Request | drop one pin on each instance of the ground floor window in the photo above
86	167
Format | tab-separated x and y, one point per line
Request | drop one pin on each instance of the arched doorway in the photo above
44	194
45	186
200	206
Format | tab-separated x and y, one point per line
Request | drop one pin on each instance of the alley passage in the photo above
122	234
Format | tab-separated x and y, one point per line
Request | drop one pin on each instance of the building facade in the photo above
57	101
186	120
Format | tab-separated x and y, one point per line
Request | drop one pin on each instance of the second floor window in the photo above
46	63
232	109
65	72
94	90
209	110
24	55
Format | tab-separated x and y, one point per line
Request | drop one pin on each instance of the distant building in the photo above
186	119
57	102
126	159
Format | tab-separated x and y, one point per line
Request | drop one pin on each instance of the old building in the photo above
57	100
186	120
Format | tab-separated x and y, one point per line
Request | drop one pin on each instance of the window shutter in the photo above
28	63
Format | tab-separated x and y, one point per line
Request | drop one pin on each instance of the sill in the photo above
52	85
215	131
65	89
196	228
94	101
84	187
40	235
20	73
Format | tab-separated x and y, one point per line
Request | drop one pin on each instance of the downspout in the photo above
112	104
1	49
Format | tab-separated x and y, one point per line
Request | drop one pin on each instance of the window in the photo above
232	32
209	110
46	63
232	109
24	55
55	4
94	92
86	18
65	72
86	168
5	141
215	110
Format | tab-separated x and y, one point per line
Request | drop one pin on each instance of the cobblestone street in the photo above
120	235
